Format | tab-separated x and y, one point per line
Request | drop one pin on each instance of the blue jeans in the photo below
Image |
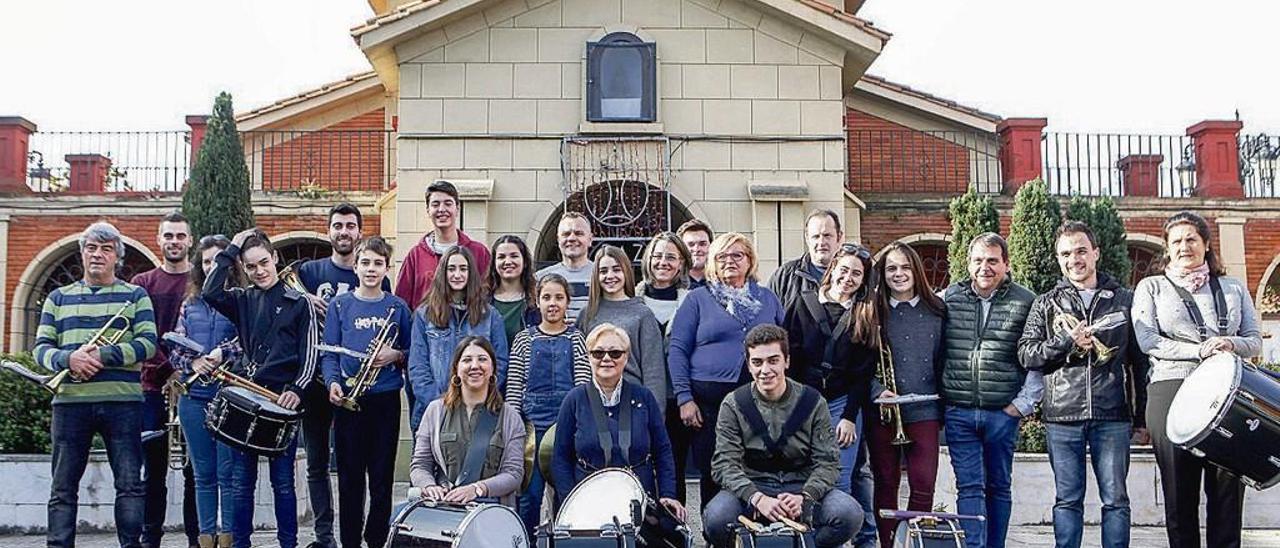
855	473
981	444
1108	443
245	478
74	424
211	463
529	505
835	517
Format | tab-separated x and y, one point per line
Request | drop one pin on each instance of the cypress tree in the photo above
971	214
1101	216
1036	216
216	200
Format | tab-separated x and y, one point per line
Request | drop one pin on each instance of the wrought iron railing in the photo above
139	161
325	160
160	161
1115	164
913	161
1259	160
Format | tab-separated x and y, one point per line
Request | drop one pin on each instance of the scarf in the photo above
738	302
1191	280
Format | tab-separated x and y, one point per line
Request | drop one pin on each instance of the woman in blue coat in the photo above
578	451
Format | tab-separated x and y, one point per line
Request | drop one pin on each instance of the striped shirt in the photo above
72	314
518	365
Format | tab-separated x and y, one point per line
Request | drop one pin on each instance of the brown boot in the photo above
224	540
206	541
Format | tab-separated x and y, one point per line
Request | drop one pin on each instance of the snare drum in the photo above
1228	412
605	509
926	532
250	422
437	525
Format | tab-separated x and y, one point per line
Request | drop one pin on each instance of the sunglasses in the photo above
855	250
614	354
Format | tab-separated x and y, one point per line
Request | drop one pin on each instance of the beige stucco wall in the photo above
490	95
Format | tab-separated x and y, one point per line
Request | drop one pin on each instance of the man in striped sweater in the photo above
105	394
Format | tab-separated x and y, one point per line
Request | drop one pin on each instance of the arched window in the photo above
621	76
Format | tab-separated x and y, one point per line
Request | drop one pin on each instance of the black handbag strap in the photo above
602	423
473	464
1219	306
823	319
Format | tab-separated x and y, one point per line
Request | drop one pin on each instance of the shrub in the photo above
1036	216
971	214
26	410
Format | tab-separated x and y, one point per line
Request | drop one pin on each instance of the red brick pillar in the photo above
1020	155
1217	152
198	124
15	141
88	172
1140	174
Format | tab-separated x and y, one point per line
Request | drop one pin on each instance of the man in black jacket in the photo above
277	329
822	238
1095	384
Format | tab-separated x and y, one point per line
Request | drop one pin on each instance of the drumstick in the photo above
794	525
751	525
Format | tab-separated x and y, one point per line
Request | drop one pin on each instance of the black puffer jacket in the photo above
1079	387
982	368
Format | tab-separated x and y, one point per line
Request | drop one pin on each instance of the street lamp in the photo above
1187	170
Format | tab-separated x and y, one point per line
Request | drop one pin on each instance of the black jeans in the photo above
366	442
155	478
73	428
708	395
317	424
681	438
1180	477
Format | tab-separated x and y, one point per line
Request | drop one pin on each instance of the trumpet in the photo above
1068	322
289	276
890	413
177	440
367	375
53	382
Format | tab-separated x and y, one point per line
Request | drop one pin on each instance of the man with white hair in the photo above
103	394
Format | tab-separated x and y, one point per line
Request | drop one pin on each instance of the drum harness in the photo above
606	437
1219	307
473	462
772	457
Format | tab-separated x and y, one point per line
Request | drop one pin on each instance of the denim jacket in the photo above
431	355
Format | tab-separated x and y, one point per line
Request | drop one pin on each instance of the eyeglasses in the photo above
856	250
669	257
735	256
613	354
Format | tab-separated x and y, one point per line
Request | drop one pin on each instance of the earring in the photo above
457	381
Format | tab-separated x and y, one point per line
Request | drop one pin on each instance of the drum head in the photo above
1202	400
424	524
599	498
266	406
492	525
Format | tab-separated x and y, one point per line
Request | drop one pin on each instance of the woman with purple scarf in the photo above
707	356
1181	316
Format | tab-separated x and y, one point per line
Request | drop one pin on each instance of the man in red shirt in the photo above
167	286
419	265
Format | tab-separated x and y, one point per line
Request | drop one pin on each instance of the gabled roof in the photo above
939	106
352	85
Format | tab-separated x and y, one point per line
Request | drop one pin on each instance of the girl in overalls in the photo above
547	360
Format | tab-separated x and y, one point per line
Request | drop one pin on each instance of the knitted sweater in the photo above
914	334
707	342
1168	334
70	317
647	364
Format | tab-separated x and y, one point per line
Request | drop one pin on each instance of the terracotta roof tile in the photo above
849	18
943	102
309	94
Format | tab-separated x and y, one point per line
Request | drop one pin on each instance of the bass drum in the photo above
1228	411
600	499
425	524
250	422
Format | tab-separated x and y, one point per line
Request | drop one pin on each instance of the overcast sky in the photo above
1087	65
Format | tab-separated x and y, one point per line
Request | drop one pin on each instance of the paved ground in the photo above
1143	537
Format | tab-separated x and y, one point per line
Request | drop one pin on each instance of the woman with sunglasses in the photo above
832	332
210	459
707	360
623	405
